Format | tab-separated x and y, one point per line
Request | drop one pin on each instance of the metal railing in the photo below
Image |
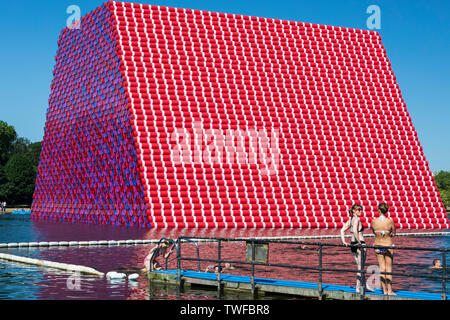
320	269
175	246
157	251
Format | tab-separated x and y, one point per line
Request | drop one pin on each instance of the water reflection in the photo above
18	281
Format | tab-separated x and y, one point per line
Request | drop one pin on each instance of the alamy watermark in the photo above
213	146
374	20
373	281
74	282
74	20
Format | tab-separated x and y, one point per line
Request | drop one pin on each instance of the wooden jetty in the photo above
266	287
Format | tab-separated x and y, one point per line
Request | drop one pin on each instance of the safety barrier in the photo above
320	269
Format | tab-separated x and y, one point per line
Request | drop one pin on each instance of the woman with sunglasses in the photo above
356	229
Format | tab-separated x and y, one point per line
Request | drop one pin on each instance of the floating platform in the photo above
22	211
265	286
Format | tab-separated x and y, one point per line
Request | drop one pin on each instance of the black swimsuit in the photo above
353	244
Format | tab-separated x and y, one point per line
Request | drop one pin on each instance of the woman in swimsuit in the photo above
161	250
356	228
384	230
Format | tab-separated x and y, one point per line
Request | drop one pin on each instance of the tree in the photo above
34	152
442	180
7	136
445	197
19	159
20	145
5	190
21	175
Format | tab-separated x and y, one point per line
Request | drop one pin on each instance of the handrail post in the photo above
362	282
179	262
152	258
253	269
219	285
319	288
170	252
444	275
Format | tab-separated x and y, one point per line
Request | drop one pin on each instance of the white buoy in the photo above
115	275
133	276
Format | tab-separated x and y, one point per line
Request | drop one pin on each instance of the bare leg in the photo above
363	259
382	265
357	256
389	260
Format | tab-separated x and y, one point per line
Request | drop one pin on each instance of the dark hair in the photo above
356	205
166	242
383	207
435	261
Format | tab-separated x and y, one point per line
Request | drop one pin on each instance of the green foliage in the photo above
20	145
21	174
19	159
34	153
7	136
19	169
445	196
3	179
442	179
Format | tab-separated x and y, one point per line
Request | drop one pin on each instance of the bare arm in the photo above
393	228
344	228
152	250
167	254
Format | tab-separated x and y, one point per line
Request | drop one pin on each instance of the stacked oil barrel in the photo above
135	78
88	170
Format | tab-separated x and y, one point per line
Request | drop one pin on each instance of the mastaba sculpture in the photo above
164	117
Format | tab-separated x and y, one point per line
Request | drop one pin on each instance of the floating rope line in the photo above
146	242
75	243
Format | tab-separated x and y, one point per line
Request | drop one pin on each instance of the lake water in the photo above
19	281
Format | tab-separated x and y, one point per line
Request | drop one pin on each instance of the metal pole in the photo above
219	286
444	272
253	269
179	263
362	282
320	274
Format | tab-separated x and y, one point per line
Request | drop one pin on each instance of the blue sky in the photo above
415	34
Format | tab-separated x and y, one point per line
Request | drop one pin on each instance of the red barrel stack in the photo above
135	76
